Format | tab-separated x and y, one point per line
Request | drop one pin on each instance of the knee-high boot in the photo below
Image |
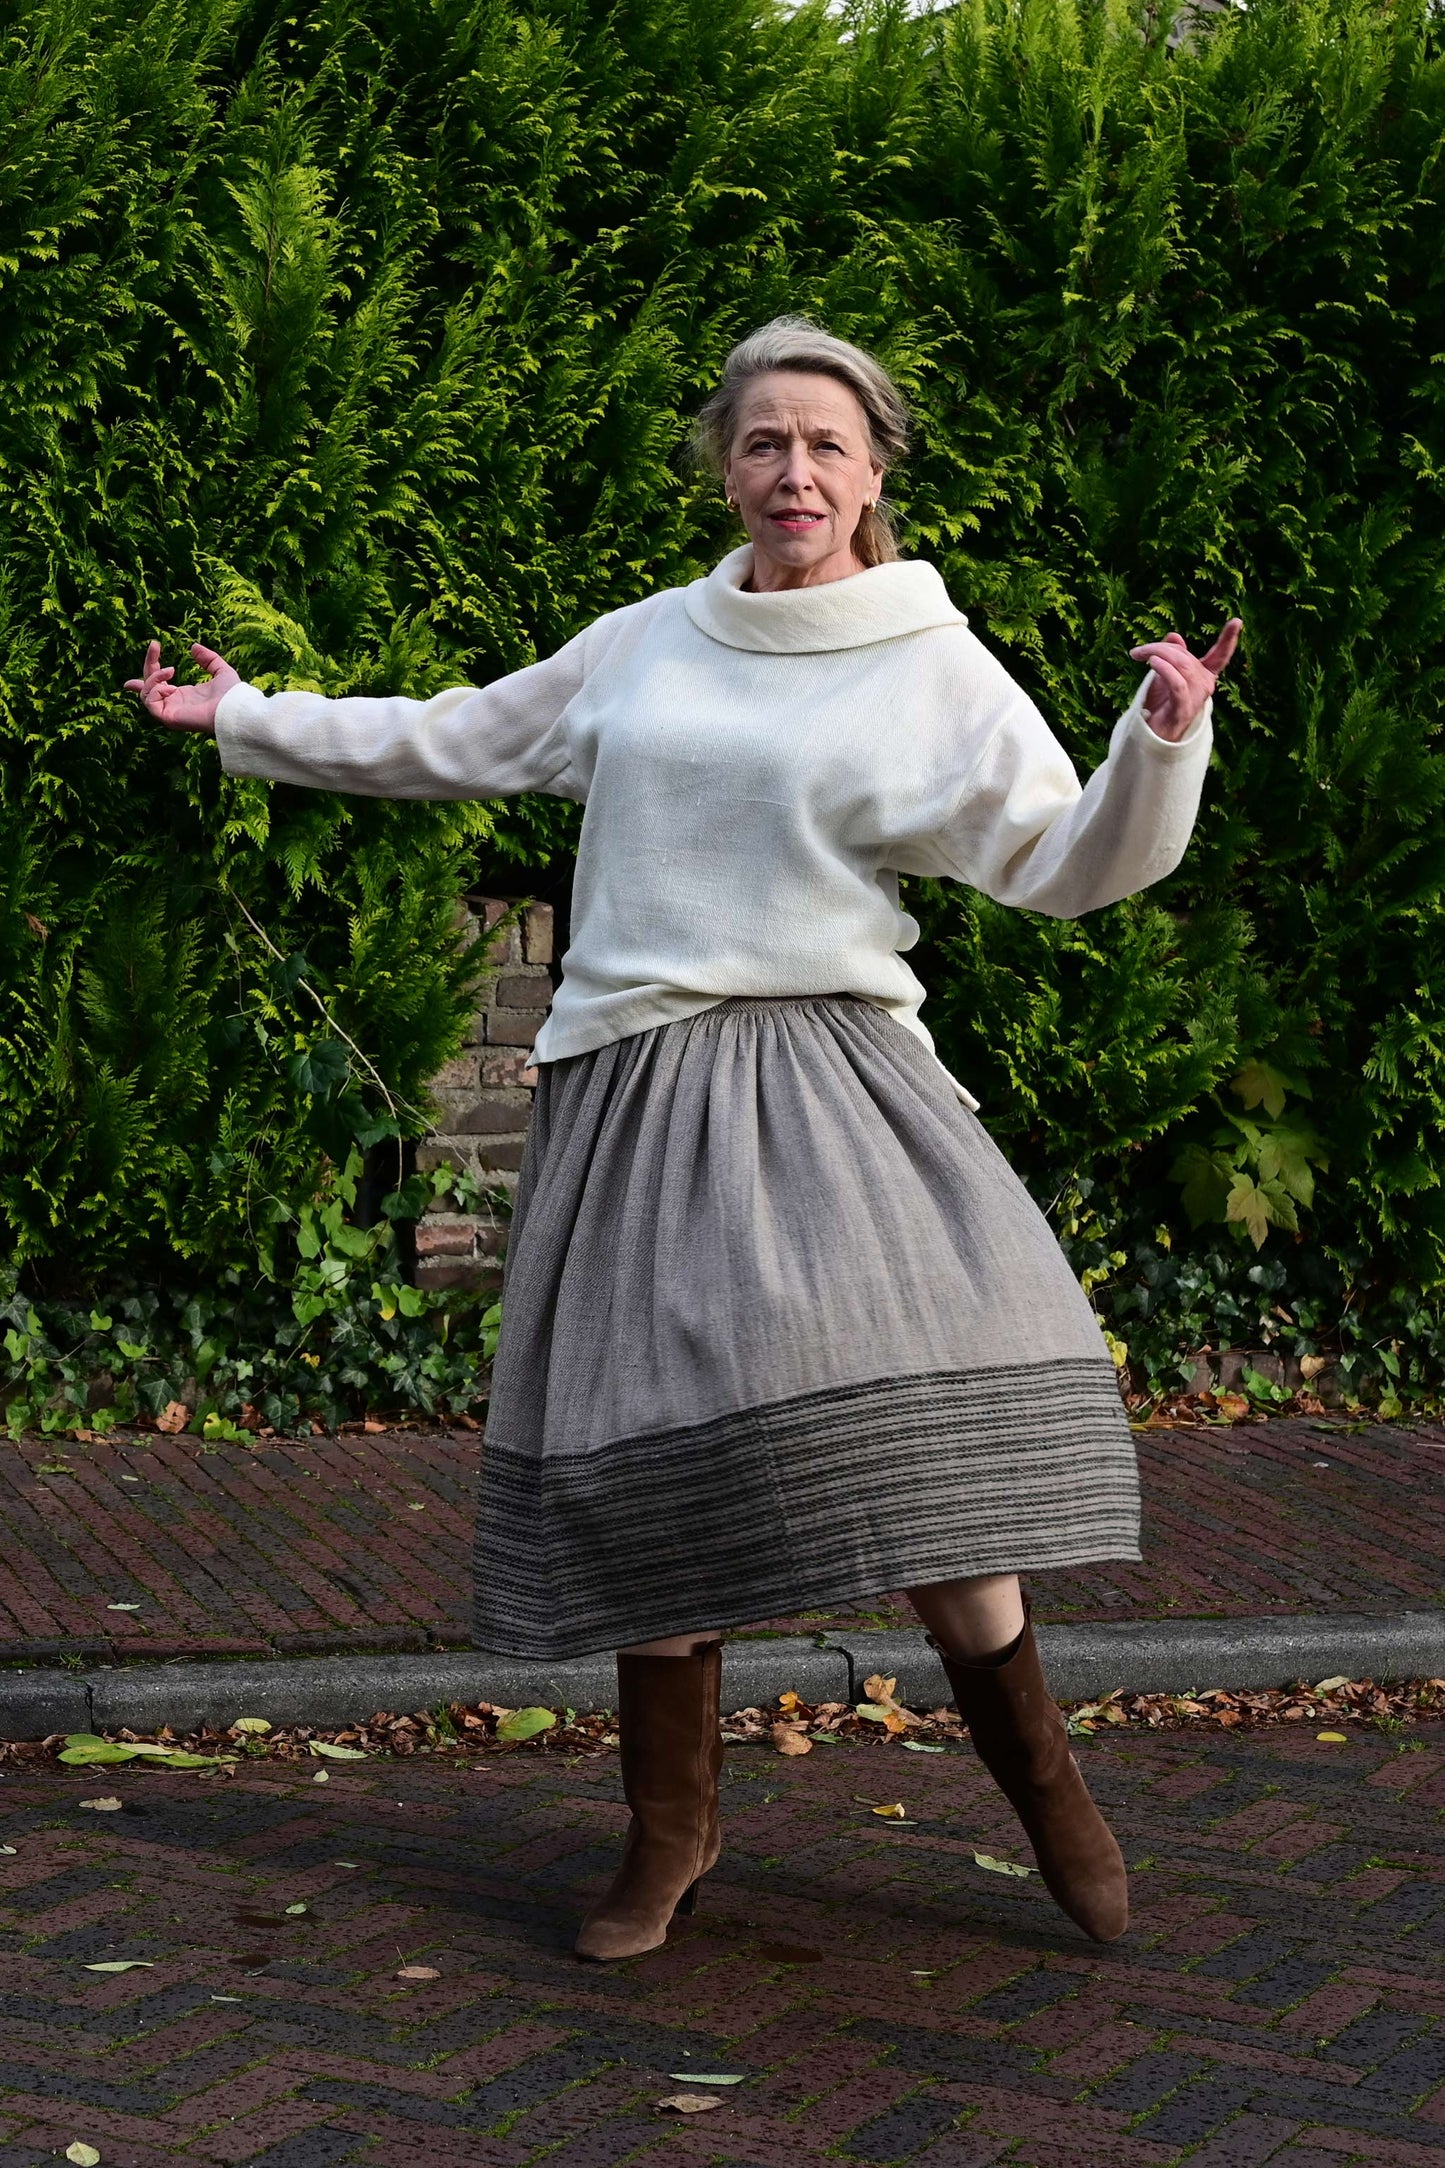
1020	1737
671	1744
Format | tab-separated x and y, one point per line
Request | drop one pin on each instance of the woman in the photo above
782	1328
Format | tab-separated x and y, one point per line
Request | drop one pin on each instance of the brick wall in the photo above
484	1099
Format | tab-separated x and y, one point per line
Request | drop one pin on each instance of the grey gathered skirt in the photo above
781	1328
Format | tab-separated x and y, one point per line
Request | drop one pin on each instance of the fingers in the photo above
1213	660
1219	654
208	659
149	683
1170	676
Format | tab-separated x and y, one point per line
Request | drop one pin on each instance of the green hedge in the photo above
360	342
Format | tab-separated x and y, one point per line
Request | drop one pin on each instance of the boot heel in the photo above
687	1903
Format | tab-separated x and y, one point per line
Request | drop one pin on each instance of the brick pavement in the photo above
347	1542
883	1998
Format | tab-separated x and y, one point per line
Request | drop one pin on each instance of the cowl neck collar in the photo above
880	604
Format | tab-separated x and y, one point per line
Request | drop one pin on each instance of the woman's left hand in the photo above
1182	682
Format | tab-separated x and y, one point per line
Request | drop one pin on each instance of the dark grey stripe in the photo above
819	1500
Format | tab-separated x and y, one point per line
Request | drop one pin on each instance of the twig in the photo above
370	1067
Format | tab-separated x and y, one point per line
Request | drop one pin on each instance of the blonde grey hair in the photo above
792	342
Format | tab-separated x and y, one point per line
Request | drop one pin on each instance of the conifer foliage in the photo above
360	343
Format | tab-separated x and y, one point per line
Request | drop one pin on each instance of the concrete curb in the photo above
1171	1656
332	1690
1142	1656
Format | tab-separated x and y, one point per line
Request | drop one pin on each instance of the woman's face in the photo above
801	471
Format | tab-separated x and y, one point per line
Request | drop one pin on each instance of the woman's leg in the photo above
973	1618
678	1645
981	1630
668	1694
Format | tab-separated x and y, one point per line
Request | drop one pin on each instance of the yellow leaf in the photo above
1332	1738
257	1724
1329	1686
789	1700
895	1720
892	1813
879	1689
84	2156
1000	1866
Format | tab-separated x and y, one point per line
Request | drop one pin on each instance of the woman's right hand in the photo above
183	707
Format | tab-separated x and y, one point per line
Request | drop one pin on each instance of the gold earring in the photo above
732	504
868	503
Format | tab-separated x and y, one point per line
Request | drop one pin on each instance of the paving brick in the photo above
1028	2045
1246	2141
320	2147
904	2130
308	1536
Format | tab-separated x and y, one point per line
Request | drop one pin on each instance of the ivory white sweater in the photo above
757	770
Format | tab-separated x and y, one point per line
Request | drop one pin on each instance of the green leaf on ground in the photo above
525	1723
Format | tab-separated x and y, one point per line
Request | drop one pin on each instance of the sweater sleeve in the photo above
1024	831
466	742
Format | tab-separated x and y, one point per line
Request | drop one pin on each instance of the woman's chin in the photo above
800	554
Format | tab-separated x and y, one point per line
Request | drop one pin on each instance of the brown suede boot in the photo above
667	1718
1020	1737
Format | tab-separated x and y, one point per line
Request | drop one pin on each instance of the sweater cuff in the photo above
242	707
1199	731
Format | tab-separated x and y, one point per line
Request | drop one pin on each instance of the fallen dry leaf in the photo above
789	1739
894	1811
1001	1866
689	2103
1332	1738
418	1972
123	1964
173	1417
84	2156
103	1806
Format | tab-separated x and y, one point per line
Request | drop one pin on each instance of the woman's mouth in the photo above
795	522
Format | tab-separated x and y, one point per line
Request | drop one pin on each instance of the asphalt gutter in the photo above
1137	1656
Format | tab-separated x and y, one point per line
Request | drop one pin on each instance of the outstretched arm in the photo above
1025	833
466	742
